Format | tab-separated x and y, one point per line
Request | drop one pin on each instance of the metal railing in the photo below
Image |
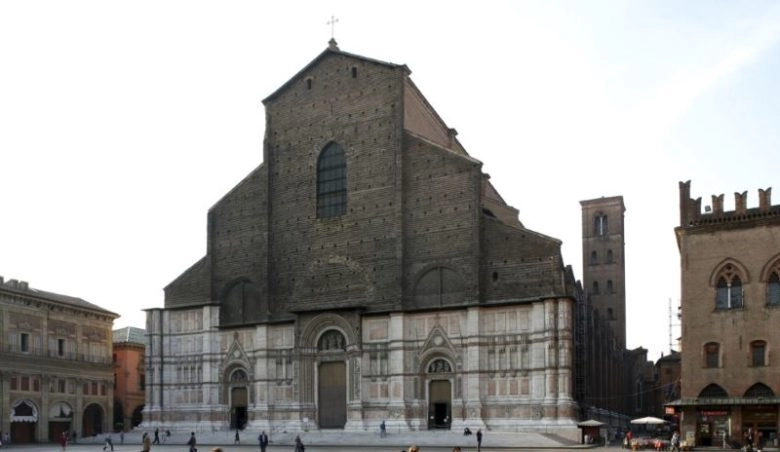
54	354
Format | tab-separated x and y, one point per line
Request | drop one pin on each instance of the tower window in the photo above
609	256
595	287
600	225
354	72
610	289
594	258
308	83
331	182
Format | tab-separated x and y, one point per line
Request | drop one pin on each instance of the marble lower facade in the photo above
506	368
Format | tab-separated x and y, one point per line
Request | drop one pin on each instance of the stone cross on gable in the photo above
332	23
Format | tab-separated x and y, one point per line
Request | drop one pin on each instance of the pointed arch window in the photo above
331	182
728	294
773	289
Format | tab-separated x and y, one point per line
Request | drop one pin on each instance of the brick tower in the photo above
603	261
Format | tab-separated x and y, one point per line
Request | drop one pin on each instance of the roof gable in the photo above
332	49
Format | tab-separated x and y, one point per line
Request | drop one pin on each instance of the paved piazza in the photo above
230	448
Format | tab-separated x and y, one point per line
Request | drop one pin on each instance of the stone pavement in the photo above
325	441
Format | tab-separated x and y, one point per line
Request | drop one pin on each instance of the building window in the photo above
142	382
60	347
25	383
600	225
24	343
331	182
594	258
773	290
595	287
609	257
61	386
712	355
610	289
758	353
729	290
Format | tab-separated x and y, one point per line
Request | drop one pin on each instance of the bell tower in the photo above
603	261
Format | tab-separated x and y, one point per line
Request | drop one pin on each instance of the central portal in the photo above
439	404
332	394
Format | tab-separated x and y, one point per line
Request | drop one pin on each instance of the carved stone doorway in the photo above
439	404
332	380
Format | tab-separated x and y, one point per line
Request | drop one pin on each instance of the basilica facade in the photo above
366	271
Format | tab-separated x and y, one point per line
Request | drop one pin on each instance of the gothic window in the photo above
758	353
439	366
712	355
594	258
240	299
331	182
610	289
600	225
773	289
729	289
331	340
595	287
439	286
609	256
239	375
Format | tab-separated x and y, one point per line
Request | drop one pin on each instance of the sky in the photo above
122	123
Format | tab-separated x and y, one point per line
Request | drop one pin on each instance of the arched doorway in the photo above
119	416
138	416
332	380
239	400
92	423
24	422
60	420
439	394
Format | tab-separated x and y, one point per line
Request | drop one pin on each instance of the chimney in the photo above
23	285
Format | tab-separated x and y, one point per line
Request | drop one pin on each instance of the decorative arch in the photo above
730	267
319	325
728	279
438	285
713	391
331	181
92	420
240	299
24	410
770	275
759	390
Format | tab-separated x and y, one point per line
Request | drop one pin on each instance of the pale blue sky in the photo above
121	123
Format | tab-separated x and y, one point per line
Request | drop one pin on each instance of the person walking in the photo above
676	441
192	443
236	440
263	439
64	440
382	429
109	443
479	439
156	436
299	447
146	441
122	437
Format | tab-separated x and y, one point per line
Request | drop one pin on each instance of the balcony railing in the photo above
54	354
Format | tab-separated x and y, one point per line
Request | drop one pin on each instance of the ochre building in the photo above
129	377
55	365
730	269
366	271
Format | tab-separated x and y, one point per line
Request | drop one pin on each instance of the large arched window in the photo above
728	293
331	182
